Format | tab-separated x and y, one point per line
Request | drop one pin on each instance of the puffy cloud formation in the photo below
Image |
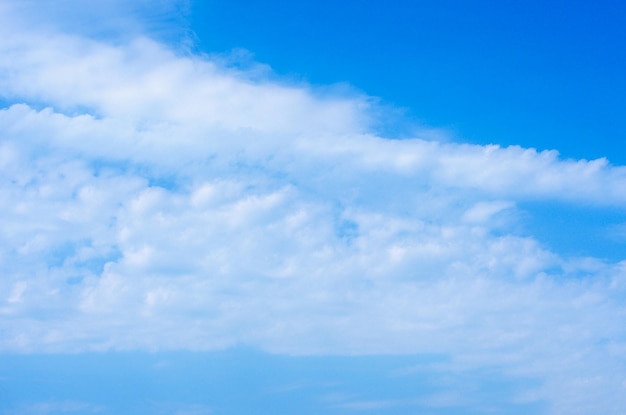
158	200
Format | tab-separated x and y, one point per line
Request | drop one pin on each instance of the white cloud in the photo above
157	201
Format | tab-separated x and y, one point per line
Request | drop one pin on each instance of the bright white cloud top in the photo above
156	200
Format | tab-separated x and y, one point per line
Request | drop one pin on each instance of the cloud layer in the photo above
158	200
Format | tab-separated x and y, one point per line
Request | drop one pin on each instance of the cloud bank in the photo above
153	200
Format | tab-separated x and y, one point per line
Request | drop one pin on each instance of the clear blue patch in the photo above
76	280
61	253
170	183
6	103
574	230
64	254
346	229
103	167
96	265
166	180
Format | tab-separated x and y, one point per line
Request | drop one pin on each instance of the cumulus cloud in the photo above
153	200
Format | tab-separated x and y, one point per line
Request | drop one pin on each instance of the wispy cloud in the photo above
56	407
160	200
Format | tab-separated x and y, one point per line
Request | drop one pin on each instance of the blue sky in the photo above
539	74
354	208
